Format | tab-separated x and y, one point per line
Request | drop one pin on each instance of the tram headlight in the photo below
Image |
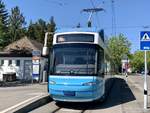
89	83
52	82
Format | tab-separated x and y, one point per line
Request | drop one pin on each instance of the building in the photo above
16	60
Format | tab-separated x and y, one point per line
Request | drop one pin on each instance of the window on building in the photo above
10	62
1	62
18	62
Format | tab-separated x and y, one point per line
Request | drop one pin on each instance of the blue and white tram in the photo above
77	68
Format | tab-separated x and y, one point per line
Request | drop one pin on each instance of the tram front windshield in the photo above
74	60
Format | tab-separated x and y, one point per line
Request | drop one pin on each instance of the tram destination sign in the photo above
145	40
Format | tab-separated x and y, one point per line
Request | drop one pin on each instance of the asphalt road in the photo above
119	100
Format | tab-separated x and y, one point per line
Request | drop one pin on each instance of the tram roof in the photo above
93	29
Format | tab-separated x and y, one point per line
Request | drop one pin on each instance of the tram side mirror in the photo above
45	51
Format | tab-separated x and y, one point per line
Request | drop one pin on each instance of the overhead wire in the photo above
98	22
60	3
129	27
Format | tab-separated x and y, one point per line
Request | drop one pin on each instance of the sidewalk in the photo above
138	81
15	97
135	84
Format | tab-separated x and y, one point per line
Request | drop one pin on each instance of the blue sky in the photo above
131	15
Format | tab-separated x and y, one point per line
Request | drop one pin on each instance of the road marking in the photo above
69	110
19	104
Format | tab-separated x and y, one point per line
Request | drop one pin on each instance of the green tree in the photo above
16	24
118	46
38	29
30	32
3	14
51	27
137	61
3	25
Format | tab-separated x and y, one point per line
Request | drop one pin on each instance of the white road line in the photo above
19	104
70	110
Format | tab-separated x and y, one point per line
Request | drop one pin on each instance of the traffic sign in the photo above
145	45
145	40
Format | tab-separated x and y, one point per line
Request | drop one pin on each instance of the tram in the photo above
79	65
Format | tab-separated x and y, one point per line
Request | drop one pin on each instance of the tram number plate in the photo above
69	93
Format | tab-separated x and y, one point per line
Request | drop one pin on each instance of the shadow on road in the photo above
14	84
118	94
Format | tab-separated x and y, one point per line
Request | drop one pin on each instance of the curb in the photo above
29	106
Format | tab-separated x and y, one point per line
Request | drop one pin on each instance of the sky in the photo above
131	16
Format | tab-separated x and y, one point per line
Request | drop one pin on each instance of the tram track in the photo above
68	107
53	107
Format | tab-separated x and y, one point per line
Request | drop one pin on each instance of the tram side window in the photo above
100	63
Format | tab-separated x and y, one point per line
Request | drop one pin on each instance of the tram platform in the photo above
19	96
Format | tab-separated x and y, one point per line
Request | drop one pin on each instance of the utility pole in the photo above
145	82
91	11
113	18
145	46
